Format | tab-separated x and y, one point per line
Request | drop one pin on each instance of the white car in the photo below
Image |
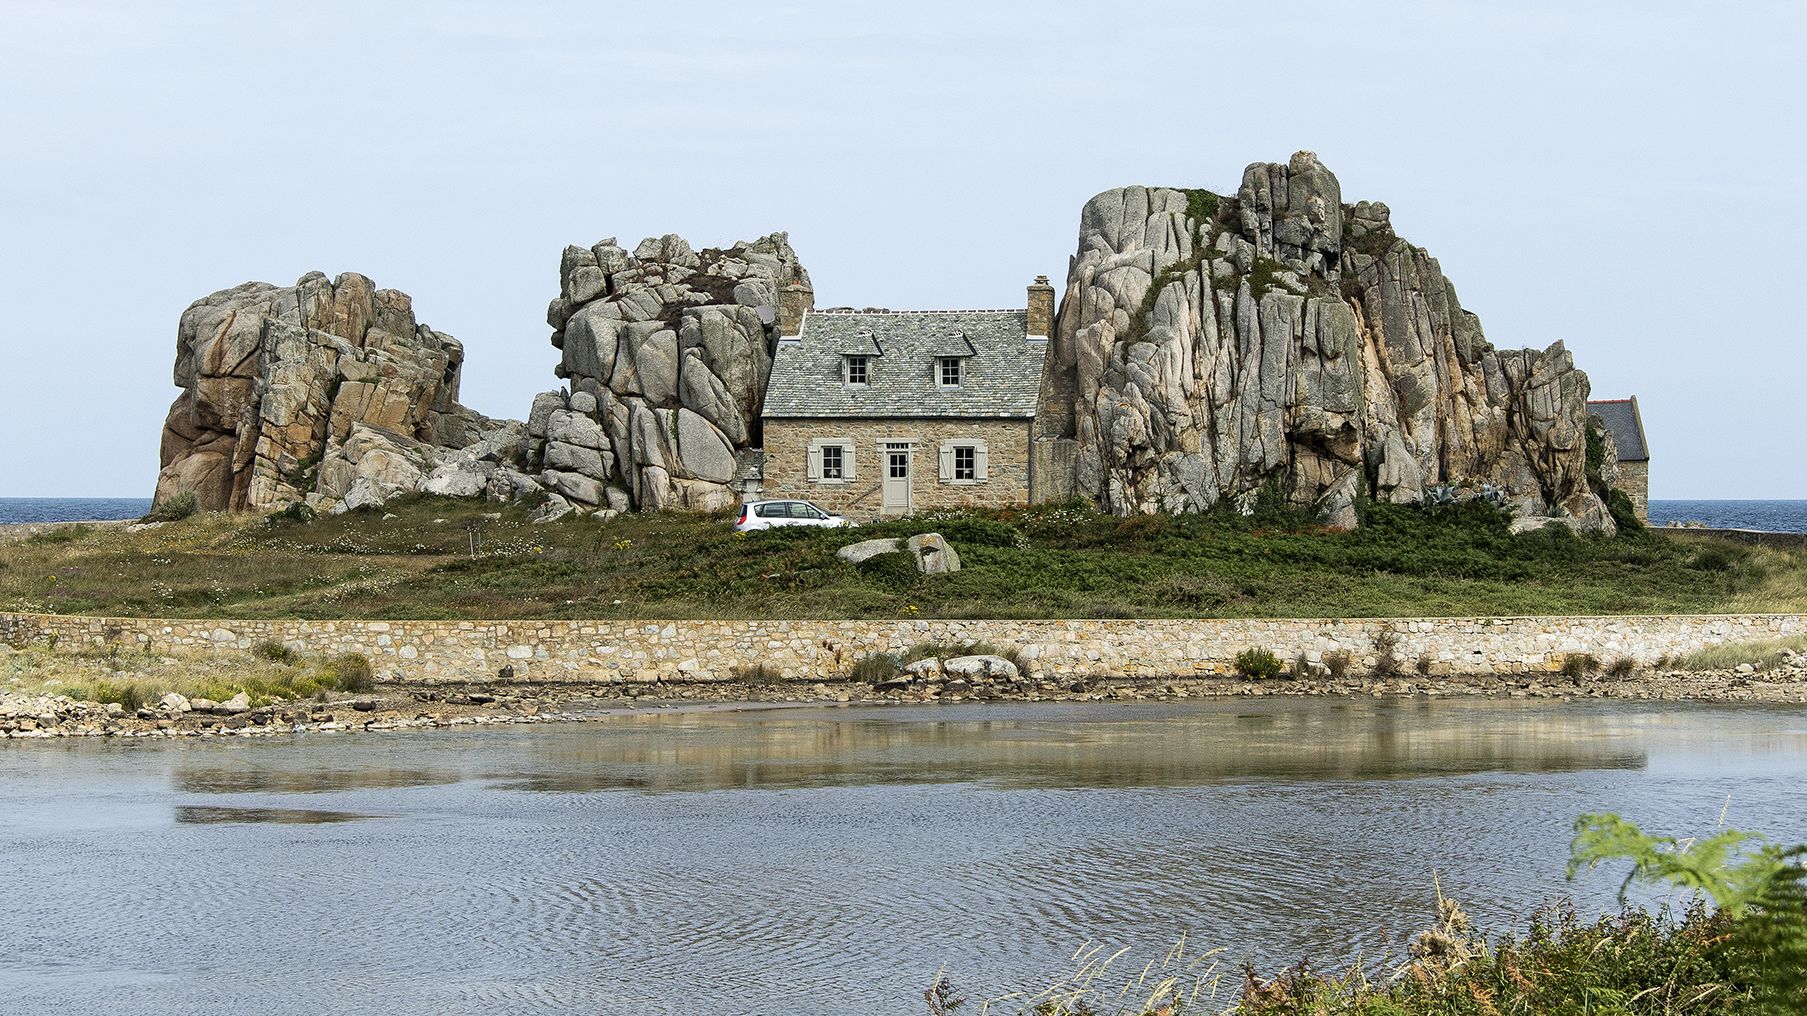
756	515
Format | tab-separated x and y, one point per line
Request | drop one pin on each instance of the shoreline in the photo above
418	707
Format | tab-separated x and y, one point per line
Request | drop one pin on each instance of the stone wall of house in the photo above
649	651
1634	479
787	463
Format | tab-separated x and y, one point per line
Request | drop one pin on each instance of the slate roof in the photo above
1002	369
1627	425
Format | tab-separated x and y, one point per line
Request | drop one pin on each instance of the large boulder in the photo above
287	390
1219	343
667	350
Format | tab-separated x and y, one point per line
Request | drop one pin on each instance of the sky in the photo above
1626	177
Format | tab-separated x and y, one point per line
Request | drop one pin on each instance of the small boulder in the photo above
236	704
924	670
854	553
174	703
554	509
980	667
933	554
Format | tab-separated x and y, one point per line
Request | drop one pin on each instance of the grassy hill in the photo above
431	558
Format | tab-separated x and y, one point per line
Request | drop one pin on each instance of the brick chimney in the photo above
1041	307
794	300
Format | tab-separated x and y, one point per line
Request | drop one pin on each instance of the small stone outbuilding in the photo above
1626	425
880	413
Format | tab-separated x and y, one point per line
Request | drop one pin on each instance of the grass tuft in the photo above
1762	655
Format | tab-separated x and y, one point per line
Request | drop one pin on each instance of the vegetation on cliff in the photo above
426	557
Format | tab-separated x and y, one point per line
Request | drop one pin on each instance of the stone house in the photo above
879	413
1626	425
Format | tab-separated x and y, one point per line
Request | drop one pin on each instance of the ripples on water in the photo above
817	861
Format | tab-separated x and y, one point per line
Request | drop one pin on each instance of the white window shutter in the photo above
947	462
981	467
815	461
847	460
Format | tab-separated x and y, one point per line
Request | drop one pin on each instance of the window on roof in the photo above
856	370
949	372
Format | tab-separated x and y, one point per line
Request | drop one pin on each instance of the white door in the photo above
897	480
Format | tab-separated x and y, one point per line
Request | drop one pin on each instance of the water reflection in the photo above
1106	746
192	814
213	779
877	846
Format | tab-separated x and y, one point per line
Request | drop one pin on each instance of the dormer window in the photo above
948	371
855	370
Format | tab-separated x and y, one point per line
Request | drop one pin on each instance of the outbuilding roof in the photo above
1621	416
1001	369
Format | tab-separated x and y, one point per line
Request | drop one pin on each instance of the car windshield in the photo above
802	510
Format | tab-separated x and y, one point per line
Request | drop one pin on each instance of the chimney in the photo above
1041	307
794	300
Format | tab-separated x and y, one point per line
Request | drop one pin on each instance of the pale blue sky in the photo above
1626	176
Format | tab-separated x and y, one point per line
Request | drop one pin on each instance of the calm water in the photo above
1775	516
816	861
71	509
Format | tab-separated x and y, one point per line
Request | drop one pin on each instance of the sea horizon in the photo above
1784	515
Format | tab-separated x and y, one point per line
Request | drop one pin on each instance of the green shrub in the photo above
351	672
1258	664
1386	654
293	513
124	693
1576	666
1623	666
1624	515
174	508
273	651
976	531
1337	663
895	569
874	668
1716	557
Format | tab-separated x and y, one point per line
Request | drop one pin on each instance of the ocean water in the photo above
1775	516
823	861
71	509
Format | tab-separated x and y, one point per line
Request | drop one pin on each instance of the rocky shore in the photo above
39	716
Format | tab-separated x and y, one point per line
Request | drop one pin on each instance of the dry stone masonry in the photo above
703	651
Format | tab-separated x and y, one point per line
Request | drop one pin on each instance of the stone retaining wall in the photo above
646	651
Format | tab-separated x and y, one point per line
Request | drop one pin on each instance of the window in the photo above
805	510
966	462
856	370
950	372
830	460
772	510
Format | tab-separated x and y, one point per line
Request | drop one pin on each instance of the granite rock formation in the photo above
1214	344
300	393
667	351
